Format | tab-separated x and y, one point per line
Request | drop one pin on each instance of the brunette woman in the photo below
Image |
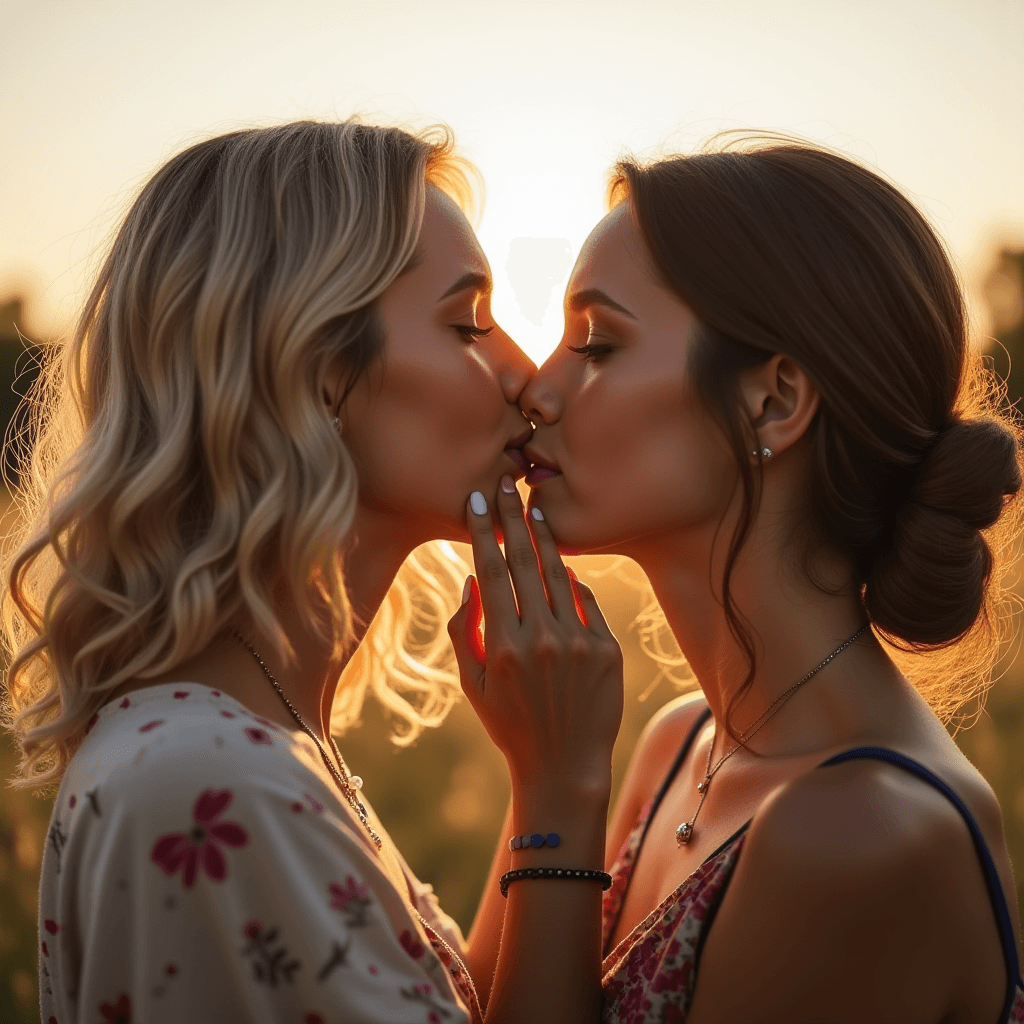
766	396
285	380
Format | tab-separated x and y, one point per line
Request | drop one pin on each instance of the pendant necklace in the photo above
684	832
347	782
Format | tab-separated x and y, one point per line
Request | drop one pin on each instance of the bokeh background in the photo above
543	96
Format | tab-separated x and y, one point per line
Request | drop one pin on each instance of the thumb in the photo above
464	630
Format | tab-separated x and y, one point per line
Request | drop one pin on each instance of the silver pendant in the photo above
684	833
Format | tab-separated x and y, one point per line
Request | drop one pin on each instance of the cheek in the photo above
643	458
426	432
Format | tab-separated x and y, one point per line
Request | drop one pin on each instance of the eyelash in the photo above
592	353
471	333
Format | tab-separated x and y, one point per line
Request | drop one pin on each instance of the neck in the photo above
794	626
312	678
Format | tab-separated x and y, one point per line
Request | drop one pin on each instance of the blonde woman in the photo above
285	380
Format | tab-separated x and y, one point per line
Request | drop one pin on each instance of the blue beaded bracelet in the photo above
537	840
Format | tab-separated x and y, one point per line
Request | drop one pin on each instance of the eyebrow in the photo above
580	301
474	279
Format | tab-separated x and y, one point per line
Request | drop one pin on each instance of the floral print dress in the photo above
202	866
649	977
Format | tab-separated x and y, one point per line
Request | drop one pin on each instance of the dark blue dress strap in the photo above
673	772
995	888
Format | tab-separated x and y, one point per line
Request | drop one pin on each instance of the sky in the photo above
543	95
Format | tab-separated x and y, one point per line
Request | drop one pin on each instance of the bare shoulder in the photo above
655	750
861	816
669	725
851	879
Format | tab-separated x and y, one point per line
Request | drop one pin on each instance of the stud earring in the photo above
337	424
766	453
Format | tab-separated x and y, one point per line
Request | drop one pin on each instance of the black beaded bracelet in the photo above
584	874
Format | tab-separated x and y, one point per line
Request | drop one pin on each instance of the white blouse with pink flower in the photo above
200	866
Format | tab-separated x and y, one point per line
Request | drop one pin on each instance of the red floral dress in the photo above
201	866
649	977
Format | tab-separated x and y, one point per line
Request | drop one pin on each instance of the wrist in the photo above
569	788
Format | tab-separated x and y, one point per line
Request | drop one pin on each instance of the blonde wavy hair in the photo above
179	454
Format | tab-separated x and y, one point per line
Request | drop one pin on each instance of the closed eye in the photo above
592	352
470	332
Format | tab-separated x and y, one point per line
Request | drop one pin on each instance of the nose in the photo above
540	399
515	372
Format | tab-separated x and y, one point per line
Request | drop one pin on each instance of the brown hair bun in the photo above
928	585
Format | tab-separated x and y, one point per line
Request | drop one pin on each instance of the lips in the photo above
541	469
522	463
538	474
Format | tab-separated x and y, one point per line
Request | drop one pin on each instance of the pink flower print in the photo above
51	926
151	725
432	1018
343	895
118	1013
180	694
228	714
318	808
412	946
171	970
372	968
268	723
216	693
252	930
296	807
422	988
46	951
125	703
200	847
73	800
352	899
259	736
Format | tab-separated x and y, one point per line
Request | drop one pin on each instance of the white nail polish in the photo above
467	588
478	503
537	514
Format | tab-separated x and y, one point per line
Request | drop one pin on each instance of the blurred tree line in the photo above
444	798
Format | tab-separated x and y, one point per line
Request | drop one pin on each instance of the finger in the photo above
577	598
464	630
595	620
501	616
556	572
520	556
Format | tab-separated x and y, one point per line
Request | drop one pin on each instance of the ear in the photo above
782	402
334	386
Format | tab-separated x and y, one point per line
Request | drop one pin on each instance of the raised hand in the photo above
546	683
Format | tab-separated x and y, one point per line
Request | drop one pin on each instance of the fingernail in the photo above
537	514
508	485
467	588
478	503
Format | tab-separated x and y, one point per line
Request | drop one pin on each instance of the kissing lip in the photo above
536	459
514	451
519	459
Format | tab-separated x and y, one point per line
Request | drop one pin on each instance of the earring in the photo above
766	453
337	424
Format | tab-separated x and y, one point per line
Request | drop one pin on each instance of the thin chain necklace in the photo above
347	782
684	832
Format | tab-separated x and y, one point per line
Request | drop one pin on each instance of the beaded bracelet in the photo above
584	874
537	840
